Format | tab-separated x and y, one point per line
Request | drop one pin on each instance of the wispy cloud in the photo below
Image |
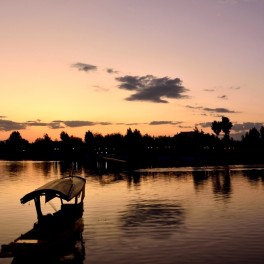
77	123
36	123
84	67
219	110
131	124
155	123
235	88
151	88
104	123
111	71
204	125
212	110
56	125
194	107
238	127
223	97
209	90
8	125
99	88
237	130
90	67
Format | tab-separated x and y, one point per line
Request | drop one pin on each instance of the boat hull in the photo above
54	244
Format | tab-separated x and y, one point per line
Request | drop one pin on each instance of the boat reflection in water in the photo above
54	237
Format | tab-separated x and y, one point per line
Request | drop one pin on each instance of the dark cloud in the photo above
84	67
57	124
154	123
131	124
246	126
77	123
111	71
151	88
194	107
204	125
104	123
120	123
53	125
219	110
8	125
224	97
57	121
36	123
180	126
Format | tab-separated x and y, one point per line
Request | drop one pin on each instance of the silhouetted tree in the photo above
89	137
76	147
252	137
2	149
216	127
252	146
65	146
43	147
71	147
190	146
226	126
89	143
16	146
114	144
15	137
99	143
262	133
134	146
64	137
45	141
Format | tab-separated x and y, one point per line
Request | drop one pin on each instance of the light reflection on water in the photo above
157	215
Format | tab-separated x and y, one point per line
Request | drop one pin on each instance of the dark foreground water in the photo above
161	215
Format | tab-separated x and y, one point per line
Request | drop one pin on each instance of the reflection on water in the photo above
156	215
254	176
145	217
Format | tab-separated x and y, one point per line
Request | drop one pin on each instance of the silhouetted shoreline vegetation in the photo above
194	148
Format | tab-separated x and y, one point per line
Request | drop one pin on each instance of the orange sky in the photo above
159	66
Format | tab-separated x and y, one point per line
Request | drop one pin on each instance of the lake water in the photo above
156	215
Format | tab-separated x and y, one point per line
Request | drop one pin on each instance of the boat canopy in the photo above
65	188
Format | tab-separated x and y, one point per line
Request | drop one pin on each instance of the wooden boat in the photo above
52	234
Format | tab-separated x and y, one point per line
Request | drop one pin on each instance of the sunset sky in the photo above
159	66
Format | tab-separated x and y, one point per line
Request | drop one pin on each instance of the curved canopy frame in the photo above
64	188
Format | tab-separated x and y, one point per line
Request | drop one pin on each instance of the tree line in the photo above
185	148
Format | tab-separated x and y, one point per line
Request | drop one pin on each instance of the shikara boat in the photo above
53	233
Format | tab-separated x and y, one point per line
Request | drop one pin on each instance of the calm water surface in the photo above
161	215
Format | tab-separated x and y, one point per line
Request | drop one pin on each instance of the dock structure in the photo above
114	159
